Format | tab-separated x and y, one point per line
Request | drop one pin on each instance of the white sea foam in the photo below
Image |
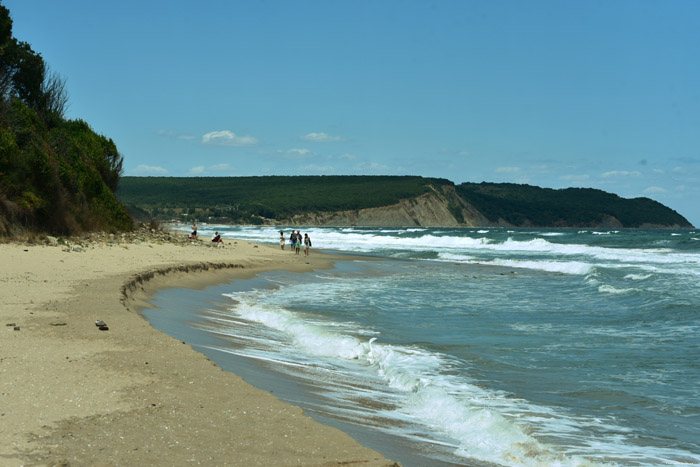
481	245
615	290
312	339
565	267
486	425
637	277
545	328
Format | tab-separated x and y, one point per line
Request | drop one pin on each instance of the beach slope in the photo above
72	394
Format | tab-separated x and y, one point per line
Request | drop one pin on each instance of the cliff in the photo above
429	209
386	201
442	206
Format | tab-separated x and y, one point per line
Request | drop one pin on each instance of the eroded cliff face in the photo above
440	207
436	208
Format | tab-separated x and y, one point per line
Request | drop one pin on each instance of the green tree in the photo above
56	175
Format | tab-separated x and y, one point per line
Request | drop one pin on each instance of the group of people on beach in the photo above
216	238
297	240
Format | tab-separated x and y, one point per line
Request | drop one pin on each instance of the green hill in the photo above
56	175
248	199
526	205
324	199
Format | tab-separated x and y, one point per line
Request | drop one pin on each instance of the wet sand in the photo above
72	394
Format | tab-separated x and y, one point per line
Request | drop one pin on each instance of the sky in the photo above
597	93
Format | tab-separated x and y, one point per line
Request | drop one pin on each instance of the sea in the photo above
477	347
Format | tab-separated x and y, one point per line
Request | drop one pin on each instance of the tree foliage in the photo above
526	205
247	199
56	175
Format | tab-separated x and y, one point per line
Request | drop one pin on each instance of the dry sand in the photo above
71	394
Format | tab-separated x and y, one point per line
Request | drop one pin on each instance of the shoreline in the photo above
71	394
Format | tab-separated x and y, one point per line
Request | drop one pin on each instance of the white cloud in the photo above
246	141
463	153
621	173
149	170
212	169
510	170
348	157
321	138
299	152
228	138
654	189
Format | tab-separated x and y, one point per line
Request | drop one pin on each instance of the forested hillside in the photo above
56	175
249	199
311	199
526	205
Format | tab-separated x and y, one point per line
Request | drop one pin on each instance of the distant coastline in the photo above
389	201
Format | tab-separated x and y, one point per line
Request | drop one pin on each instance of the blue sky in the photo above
601	94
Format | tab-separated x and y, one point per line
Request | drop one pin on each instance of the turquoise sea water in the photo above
476	347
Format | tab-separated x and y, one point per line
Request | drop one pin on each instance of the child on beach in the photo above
281	239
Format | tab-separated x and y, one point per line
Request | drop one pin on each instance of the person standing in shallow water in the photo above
307	244
281	239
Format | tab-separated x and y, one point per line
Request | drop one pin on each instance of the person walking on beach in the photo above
298	245
282	239
193	235
307	244
293	240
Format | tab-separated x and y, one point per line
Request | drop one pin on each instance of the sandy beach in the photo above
72	394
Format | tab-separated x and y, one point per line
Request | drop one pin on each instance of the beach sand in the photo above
71	394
